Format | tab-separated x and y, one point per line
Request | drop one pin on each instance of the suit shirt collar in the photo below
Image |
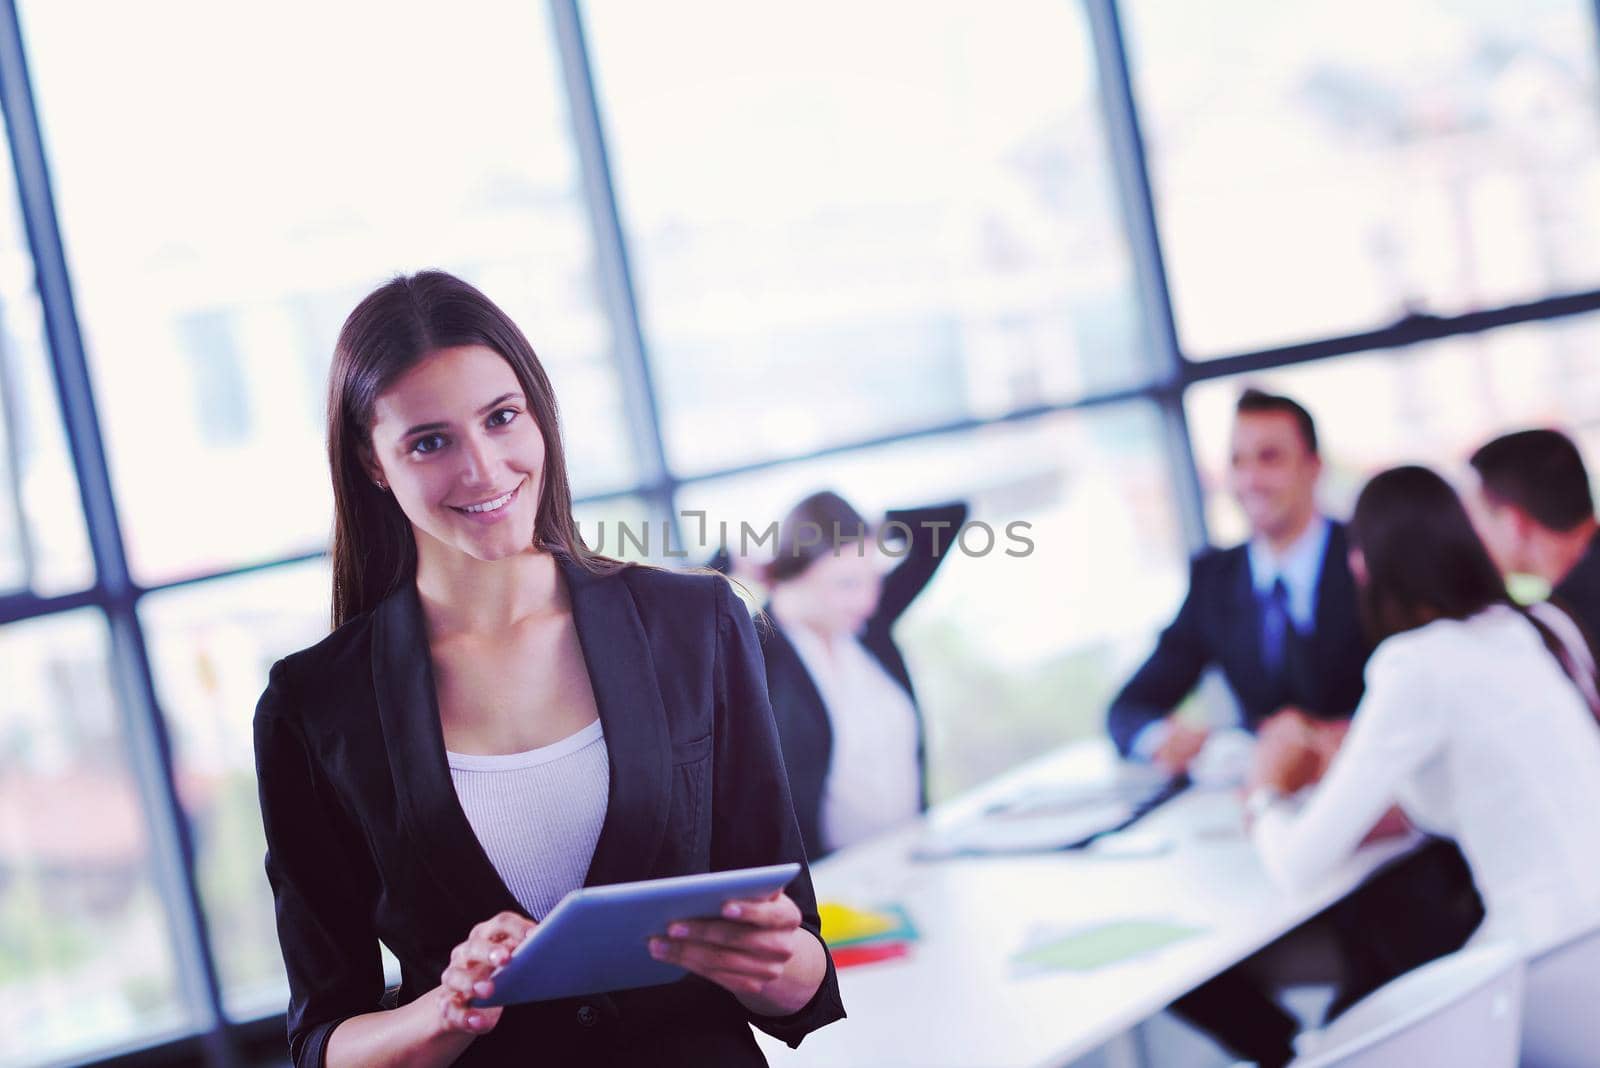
1300	567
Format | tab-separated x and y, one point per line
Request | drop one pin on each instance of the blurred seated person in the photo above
1478	720
1535	513
848	720
1276	614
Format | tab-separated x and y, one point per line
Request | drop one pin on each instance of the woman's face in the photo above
839	592
458	447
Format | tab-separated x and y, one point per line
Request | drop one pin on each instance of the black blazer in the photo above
797	706
1219	624
366	840
1579	592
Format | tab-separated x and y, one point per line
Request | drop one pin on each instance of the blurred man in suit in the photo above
1535	512
1277	614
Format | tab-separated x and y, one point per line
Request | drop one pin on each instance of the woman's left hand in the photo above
744	952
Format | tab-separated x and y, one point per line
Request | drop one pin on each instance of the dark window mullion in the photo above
1410	330
133	690
612	266
1130	166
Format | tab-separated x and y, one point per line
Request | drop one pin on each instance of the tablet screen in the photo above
596	939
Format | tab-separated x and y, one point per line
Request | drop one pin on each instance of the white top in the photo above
1474	729
537	813
873	782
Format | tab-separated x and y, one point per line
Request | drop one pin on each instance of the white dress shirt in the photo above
873	783
1475	731
1300	567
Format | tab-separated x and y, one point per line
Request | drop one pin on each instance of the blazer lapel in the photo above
632	716
779	650
634	719
408	708
1255	691
1247	616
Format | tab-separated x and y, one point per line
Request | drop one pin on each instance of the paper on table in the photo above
1050	831
1225	759
1088	948
1131	783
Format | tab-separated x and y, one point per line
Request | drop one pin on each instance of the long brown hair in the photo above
1424	559
389	332
1425	562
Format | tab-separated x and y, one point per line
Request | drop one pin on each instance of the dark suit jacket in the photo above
367	841
802	718
1220	624
1580	590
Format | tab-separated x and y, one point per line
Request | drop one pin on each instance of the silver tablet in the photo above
597	938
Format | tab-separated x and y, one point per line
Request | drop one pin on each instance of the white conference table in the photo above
955	1002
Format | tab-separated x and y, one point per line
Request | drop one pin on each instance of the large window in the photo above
1325	166
900	251
224	206
43	546
867	202
1431	403
1021	638
210	646
87	961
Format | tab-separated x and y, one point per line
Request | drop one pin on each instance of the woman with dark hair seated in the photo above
848	721
1478	721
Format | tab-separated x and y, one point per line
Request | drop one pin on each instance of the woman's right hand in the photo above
486	948
1288	755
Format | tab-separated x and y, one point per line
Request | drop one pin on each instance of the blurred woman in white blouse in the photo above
1478	722
848	719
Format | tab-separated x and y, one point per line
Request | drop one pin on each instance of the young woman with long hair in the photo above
500	716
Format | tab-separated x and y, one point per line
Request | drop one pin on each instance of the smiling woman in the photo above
500	716
473	464
437	404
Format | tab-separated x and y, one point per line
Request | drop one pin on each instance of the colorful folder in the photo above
858	936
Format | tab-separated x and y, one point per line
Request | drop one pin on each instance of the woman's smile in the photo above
492	510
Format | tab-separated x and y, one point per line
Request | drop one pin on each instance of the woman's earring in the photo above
380	485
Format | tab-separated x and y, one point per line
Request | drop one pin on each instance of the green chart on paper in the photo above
1097	947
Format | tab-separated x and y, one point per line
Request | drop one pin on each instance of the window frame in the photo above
219	1041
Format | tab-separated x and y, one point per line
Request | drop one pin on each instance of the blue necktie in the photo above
1275	626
